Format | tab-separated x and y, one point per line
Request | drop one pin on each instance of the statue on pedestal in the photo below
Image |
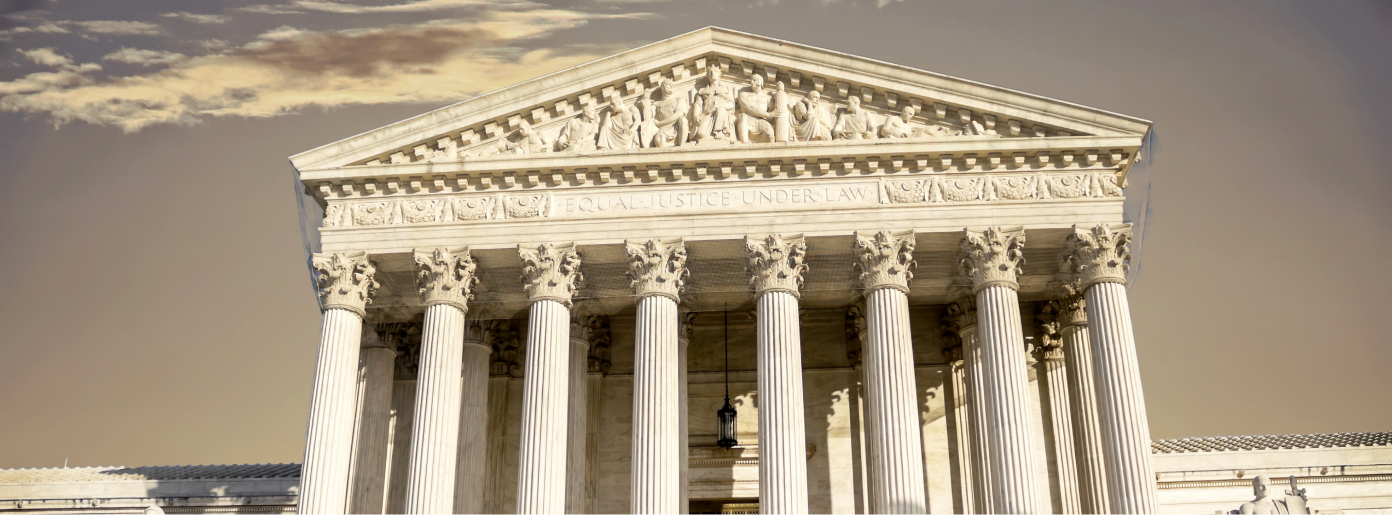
1266	503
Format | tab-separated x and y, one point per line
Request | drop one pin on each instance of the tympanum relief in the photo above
711	109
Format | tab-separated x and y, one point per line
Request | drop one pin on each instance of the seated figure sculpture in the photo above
671	125
1265	502
902	126
712	110
580	132
810	118
755	114
522	141
619	131
854	123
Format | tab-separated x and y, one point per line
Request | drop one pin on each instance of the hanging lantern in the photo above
728	434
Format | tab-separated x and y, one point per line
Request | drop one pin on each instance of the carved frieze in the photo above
550	271
884	260
445	276
1039	186
1099	254
776	263
345	280
993	257
525	206
657	267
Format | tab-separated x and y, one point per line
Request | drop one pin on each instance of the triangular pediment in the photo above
531	118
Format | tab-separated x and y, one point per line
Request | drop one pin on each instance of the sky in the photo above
155	308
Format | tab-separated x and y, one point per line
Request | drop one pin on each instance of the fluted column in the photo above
958	413
1058	424
857	333
403	413
884	263
549	274
657	269
471	463
345	282
372	442
502	338
777	267
992	259
1082	398
598	366
444	278
1098	257
967	330
578	414
688	321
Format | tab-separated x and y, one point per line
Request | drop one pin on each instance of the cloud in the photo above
119	28
267	9
205	19
143	57
288	69
49	57
213	44
408	7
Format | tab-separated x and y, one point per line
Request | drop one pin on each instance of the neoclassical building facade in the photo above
724	273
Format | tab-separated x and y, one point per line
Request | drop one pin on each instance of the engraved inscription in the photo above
728	199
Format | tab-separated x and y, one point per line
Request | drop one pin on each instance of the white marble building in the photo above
525	297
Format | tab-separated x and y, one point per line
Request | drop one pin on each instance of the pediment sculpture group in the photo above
717	112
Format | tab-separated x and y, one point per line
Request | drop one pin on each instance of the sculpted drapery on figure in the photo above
620	128
812	121
713	110
671	124
854	122
579	133
754	112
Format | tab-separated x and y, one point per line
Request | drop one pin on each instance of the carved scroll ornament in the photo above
776	263
550	272
445	276
993	257
345	280
884	260
656	267
1099	254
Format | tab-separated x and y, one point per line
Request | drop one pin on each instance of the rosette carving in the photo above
445	276
776	263
657	267
345	280
884	260
1099	254
550	272
993	257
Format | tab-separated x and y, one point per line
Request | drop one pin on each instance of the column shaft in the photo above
656	471
499	387
435	445
541	470
593	404
976	421
471	463
1087	430
683	445
1010	445
329	439
958	414
895	438
1053	384
782	433
374	431
1125	429
577	434
403	417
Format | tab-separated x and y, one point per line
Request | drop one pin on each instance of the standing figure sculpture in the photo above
579	133
854	123
620	128
671	125
754	113
811	121
713	110
647	111
1265	502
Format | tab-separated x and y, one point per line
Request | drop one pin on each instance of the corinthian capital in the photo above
1048	338
993	257
345	280
1072	310
884	260
1099	254
657	267
688	325
775	263
549	272
445	276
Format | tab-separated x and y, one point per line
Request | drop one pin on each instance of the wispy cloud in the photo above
144	57
49	57
408	7
118	28
205	19
288	69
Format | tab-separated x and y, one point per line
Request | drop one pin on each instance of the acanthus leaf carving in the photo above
372	213
445	276
600	340
961	189
472	208
1048	335
1099	254
885	260
906	192
776	263
550	272
657	267
526	206
421	211
993	257
345	280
